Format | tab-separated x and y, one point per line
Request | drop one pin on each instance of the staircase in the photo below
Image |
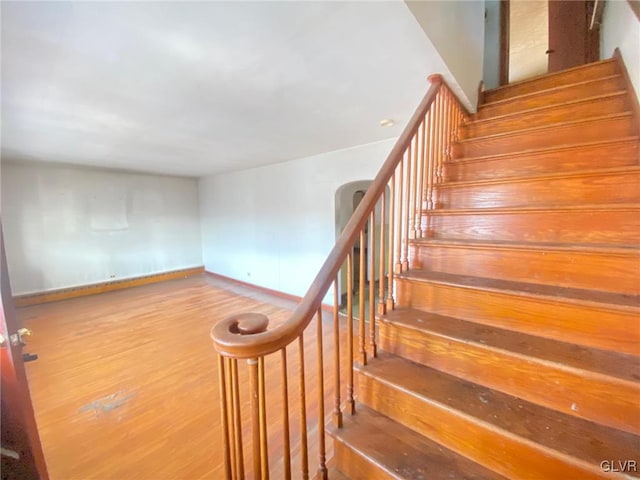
513	349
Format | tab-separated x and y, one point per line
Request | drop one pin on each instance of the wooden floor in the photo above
126	382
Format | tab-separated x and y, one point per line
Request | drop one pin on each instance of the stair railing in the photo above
393	211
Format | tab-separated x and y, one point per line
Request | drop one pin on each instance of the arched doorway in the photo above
347	199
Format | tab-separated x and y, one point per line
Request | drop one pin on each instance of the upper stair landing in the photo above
581	73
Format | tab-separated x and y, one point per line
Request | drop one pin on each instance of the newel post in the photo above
241	325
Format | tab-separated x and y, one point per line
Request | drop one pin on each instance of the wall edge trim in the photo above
268	291
48	296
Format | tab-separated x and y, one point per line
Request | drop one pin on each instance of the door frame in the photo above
504	42
20	435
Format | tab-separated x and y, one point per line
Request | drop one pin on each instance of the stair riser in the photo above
555	161
356	466
597	130
606	400
542	99
582	323
608	188
561	113
503	453
609	272
598	226
591	72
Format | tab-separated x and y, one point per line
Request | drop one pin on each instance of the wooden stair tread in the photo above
571	436
590	360
546	91
550	126
401	452
593	172
526	289
571	146
505	116
562	208
548	246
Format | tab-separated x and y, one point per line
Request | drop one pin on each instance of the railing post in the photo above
382	306
322	456
372	283
337	412
226	442
361	303
392	208
255	417
286	441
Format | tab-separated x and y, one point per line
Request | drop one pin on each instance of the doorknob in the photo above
17	338
551	50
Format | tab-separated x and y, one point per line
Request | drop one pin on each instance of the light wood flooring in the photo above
126	384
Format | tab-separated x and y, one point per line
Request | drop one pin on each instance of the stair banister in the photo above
421	149
232	341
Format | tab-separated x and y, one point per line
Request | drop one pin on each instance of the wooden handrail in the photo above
409	179
232	336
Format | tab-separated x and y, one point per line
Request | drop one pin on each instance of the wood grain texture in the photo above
551	113
604	224
585	187
581	130
556	79
511	363
586	322
542	98
126	385
94	289
597	268
372	446
568	159
513	437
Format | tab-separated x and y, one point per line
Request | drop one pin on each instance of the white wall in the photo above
621	28
491	64
528	38
274	226
66	226
456	29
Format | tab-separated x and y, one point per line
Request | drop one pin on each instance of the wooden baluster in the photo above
372	283
322	453
351	404
231	420
304	449
392	196
262	404
237	418
255	416
361	303
382	306
398	227
440	126
415	200
411	157
445	146
436	145
286	442
420	166
431	160
226	442
406	212
337	410
450	123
